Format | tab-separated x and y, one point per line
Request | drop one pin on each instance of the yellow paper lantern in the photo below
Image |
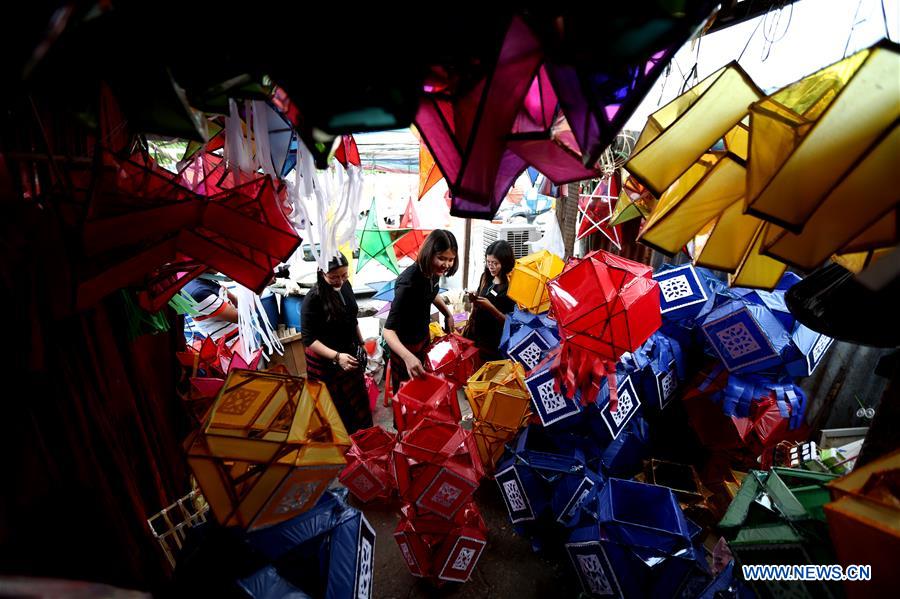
680	132
501	405
823	160
271	446
528	281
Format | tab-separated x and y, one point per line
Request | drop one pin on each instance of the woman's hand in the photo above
449	323
414	366
483	303
347	362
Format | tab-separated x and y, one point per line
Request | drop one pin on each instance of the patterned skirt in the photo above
347	389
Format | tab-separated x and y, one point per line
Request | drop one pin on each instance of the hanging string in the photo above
749	39
887	32
856	21
769	35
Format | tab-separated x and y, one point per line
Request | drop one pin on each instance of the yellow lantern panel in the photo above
678	134
528	280
852	103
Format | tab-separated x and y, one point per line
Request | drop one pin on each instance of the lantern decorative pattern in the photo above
270	448
527	338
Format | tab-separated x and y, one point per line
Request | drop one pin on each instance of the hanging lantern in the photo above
595	211
376	242
605	305
528	280
408	245
550	404
635	201
270	448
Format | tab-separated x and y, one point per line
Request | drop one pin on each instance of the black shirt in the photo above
411	309
337	334
486	330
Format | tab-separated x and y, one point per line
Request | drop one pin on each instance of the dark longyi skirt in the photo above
347	389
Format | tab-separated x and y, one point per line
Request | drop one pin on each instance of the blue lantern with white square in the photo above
810	349
551	406
659	366
683	291
527	338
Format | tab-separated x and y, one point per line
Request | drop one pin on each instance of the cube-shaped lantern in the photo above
744	336
452	357
641	515
683	292
527	338
529	278
550	404
810	349
437	467
430	396
370	473
335	536
438	549
271	446
497	394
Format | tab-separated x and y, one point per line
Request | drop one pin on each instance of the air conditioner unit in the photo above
515	235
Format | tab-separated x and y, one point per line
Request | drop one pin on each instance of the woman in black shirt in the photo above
491	304
406	328
332	339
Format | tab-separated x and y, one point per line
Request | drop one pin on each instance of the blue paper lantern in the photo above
574	499
628	406
551	406
659	366
745	336
592	564
267	583
625	455
336	536
811	347
683	291
527	338
641	515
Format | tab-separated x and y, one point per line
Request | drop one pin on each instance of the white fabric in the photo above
252	321
552	241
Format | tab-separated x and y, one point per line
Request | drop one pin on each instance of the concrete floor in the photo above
507	568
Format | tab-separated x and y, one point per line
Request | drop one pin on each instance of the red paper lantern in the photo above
437	467
369	473
429	396
438	549
605	305
453	357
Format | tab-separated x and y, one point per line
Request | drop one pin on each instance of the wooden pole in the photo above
468	245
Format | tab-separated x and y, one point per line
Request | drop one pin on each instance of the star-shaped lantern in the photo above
595	210
409	244
377	242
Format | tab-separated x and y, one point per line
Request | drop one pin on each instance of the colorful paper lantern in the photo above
529	278
605	305
635	201
595	211
334	536
408	245
452	357
527	338
550	404
430	396
438	549
683	291
680	132
470	149
283	430
437	467
500	405
864	524
369	473
376	242
429	173
804	148
659	367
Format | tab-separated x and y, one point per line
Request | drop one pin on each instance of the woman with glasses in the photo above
333	341
490	304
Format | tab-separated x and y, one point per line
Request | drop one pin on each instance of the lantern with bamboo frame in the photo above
528	280
500	404
270	448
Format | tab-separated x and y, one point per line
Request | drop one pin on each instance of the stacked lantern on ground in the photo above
500	405
270	448
437	468
452	357
369	473
527	338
